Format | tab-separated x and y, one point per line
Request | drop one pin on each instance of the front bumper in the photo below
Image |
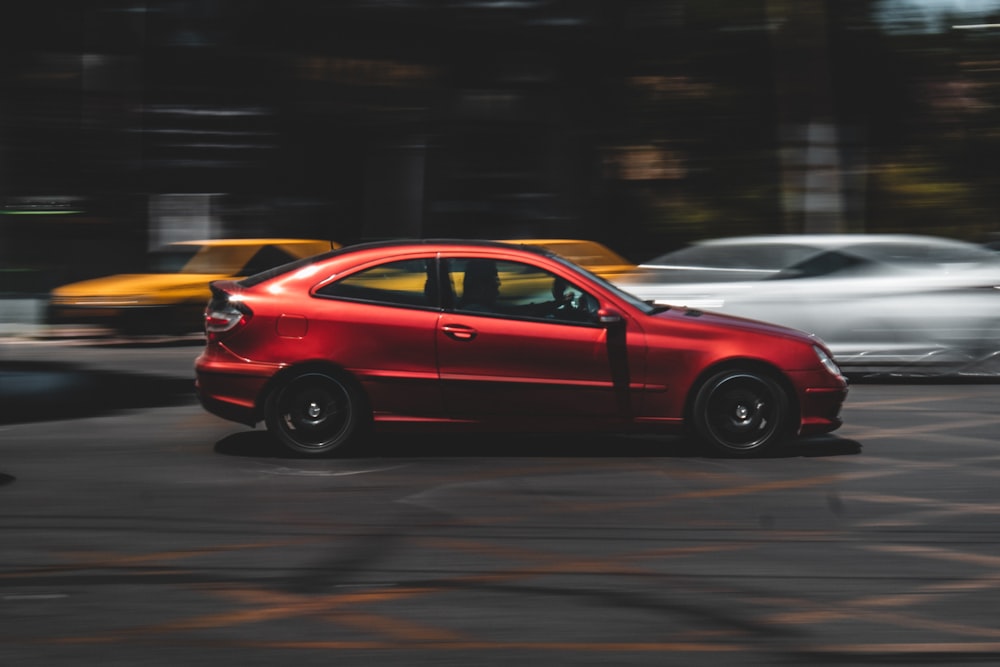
821	398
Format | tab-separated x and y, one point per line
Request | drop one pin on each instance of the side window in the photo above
517	290
266	258
822	264
402	283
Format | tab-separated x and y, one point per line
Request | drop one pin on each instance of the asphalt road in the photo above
138	529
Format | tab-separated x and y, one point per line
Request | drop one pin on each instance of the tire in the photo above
741	412
315	413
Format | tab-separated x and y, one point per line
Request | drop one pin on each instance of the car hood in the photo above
139	283
732	322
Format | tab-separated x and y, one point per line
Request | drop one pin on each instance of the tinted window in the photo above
266	258
282	269
823	264
224	259
517	290
171	259
404	283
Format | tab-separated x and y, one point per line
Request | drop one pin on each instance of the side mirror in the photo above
609	316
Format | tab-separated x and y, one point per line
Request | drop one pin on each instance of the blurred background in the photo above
643	124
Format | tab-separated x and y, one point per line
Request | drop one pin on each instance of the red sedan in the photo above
496	336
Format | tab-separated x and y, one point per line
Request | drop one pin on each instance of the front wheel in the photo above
315	413
740	412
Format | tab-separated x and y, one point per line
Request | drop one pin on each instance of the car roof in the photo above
775	252
402	244
826	240
447	243
414	244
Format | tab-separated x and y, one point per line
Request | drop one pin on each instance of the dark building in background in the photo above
642	124
345	120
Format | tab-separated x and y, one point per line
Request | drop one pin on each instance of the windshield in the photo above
628	297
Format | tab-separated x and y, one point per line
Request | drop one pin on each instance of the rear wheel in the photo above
741	412
315	413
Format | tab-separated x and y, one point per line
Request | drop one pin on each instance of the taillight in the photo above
223	315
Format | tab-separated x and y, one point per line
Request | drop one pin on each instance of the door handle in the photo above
459	331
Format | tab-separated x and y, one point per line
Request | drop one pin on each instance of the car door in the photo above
517	360
381	327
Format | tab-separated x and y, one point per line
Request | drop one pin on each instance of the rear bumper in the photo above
231	390
227	409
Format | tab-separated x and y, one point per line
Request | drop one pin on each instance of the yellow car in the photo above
171	297
591	255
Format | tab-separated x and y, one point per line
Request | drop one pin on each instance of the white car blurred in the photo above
884	303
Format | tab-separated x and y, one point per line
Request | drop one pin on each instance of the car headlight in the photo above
828	362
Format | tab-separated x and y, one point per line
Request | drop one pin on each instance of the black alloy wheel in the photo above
314	413
741	412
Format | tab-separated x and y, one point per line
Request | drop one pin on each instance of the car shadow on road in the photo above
260	444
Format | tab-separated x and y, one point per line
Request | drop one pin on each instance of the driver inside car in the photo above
482	291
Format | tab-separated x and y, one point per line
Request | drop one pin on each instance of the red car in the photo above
496	336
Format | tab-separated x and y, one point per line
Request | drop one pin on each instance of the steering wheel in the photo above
571	299
574	305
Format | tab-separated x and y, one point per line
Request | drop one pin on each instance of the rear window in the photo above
227	260
406	282
170	259
266	258
822	264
